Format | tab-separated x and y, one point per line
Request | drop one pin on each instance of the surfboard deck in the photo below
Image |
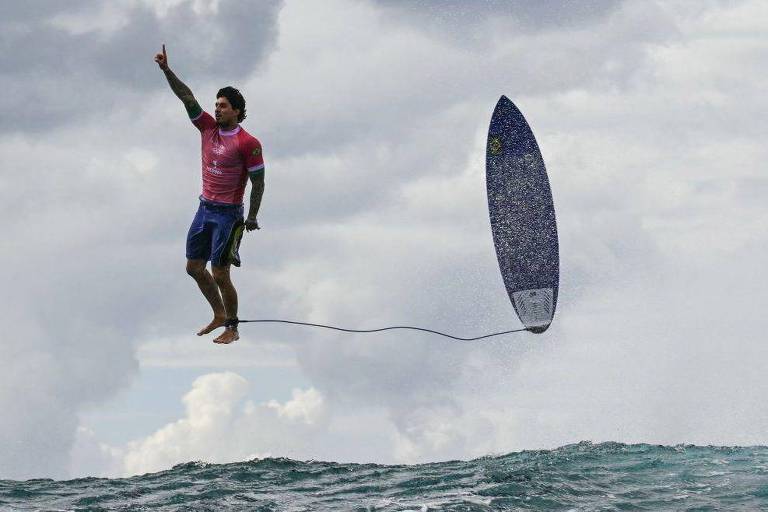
522	217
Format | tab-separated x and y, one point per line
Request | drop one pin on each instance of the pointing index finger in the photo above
164	55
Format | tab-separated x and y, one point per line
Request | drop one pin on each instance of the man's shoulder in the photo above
247	138
204	121
250	148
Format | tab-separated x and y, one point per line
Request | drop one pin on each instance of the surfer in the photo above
230	156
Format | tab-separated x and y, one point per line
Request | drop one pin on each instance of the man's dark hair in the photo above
235	99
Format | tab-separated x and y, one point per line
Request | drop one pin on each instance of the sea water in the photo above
583	476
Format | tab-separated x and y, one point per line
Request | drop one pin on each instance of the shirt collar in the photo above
233	131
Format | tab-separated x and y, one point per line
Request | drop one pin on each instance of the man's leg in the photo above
229	296
207	284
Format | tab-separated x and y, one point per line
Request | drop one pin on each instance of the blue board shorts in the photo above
215	233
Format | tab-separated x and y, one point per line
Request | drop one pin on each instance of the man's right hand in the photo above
162	60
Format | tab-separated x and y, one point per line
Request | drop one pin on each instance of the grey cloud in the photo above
51	77
80	318
463	21
94	257
18	15
414	91
749	191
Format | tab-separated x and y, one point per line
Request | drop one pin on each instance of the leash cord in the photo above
365	331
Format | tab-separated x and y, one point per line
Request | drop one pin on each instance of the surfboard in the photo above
522	217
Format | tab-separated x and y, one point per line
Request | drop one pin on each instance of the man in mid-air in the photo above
230	157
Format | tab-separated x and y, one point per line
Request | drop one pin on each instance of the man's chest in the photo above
222	151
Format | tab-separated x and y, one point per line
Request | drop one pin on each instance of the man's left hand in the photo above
251	224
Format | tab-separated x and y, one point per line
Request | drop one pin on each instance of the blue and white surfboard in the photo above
522	217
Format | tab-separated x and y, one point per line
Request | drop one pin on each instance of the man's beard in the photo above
221	124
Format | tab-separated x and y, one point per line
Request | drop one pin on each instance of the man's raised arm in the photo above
177	86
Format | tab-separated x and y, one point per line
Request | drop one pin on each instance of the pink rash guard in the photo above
228	158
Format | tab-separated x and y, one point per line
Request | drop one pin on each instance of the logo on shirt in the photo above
219	150
256	152
214	170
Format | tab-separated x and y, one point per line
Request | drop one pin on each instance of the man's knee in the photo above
196	268
220	274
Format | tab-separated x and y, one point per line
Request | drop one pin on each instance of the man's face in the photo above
225	114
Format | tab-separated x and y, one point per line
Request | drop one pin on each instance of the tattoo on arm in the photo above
183	92
257	191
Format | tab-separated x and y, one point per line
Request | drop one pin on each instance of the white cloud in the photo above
210	412
220	425
305	406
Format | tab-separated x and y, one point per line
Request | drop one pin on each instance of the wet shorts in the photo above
215	233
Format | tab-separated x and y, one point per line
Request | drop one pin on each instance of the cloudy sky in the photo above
651	119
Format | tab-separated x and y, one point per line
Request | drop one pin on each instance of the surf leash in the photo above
236	321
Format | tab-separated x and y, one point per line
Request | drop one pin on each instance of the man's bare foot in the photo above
227	337
215	324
